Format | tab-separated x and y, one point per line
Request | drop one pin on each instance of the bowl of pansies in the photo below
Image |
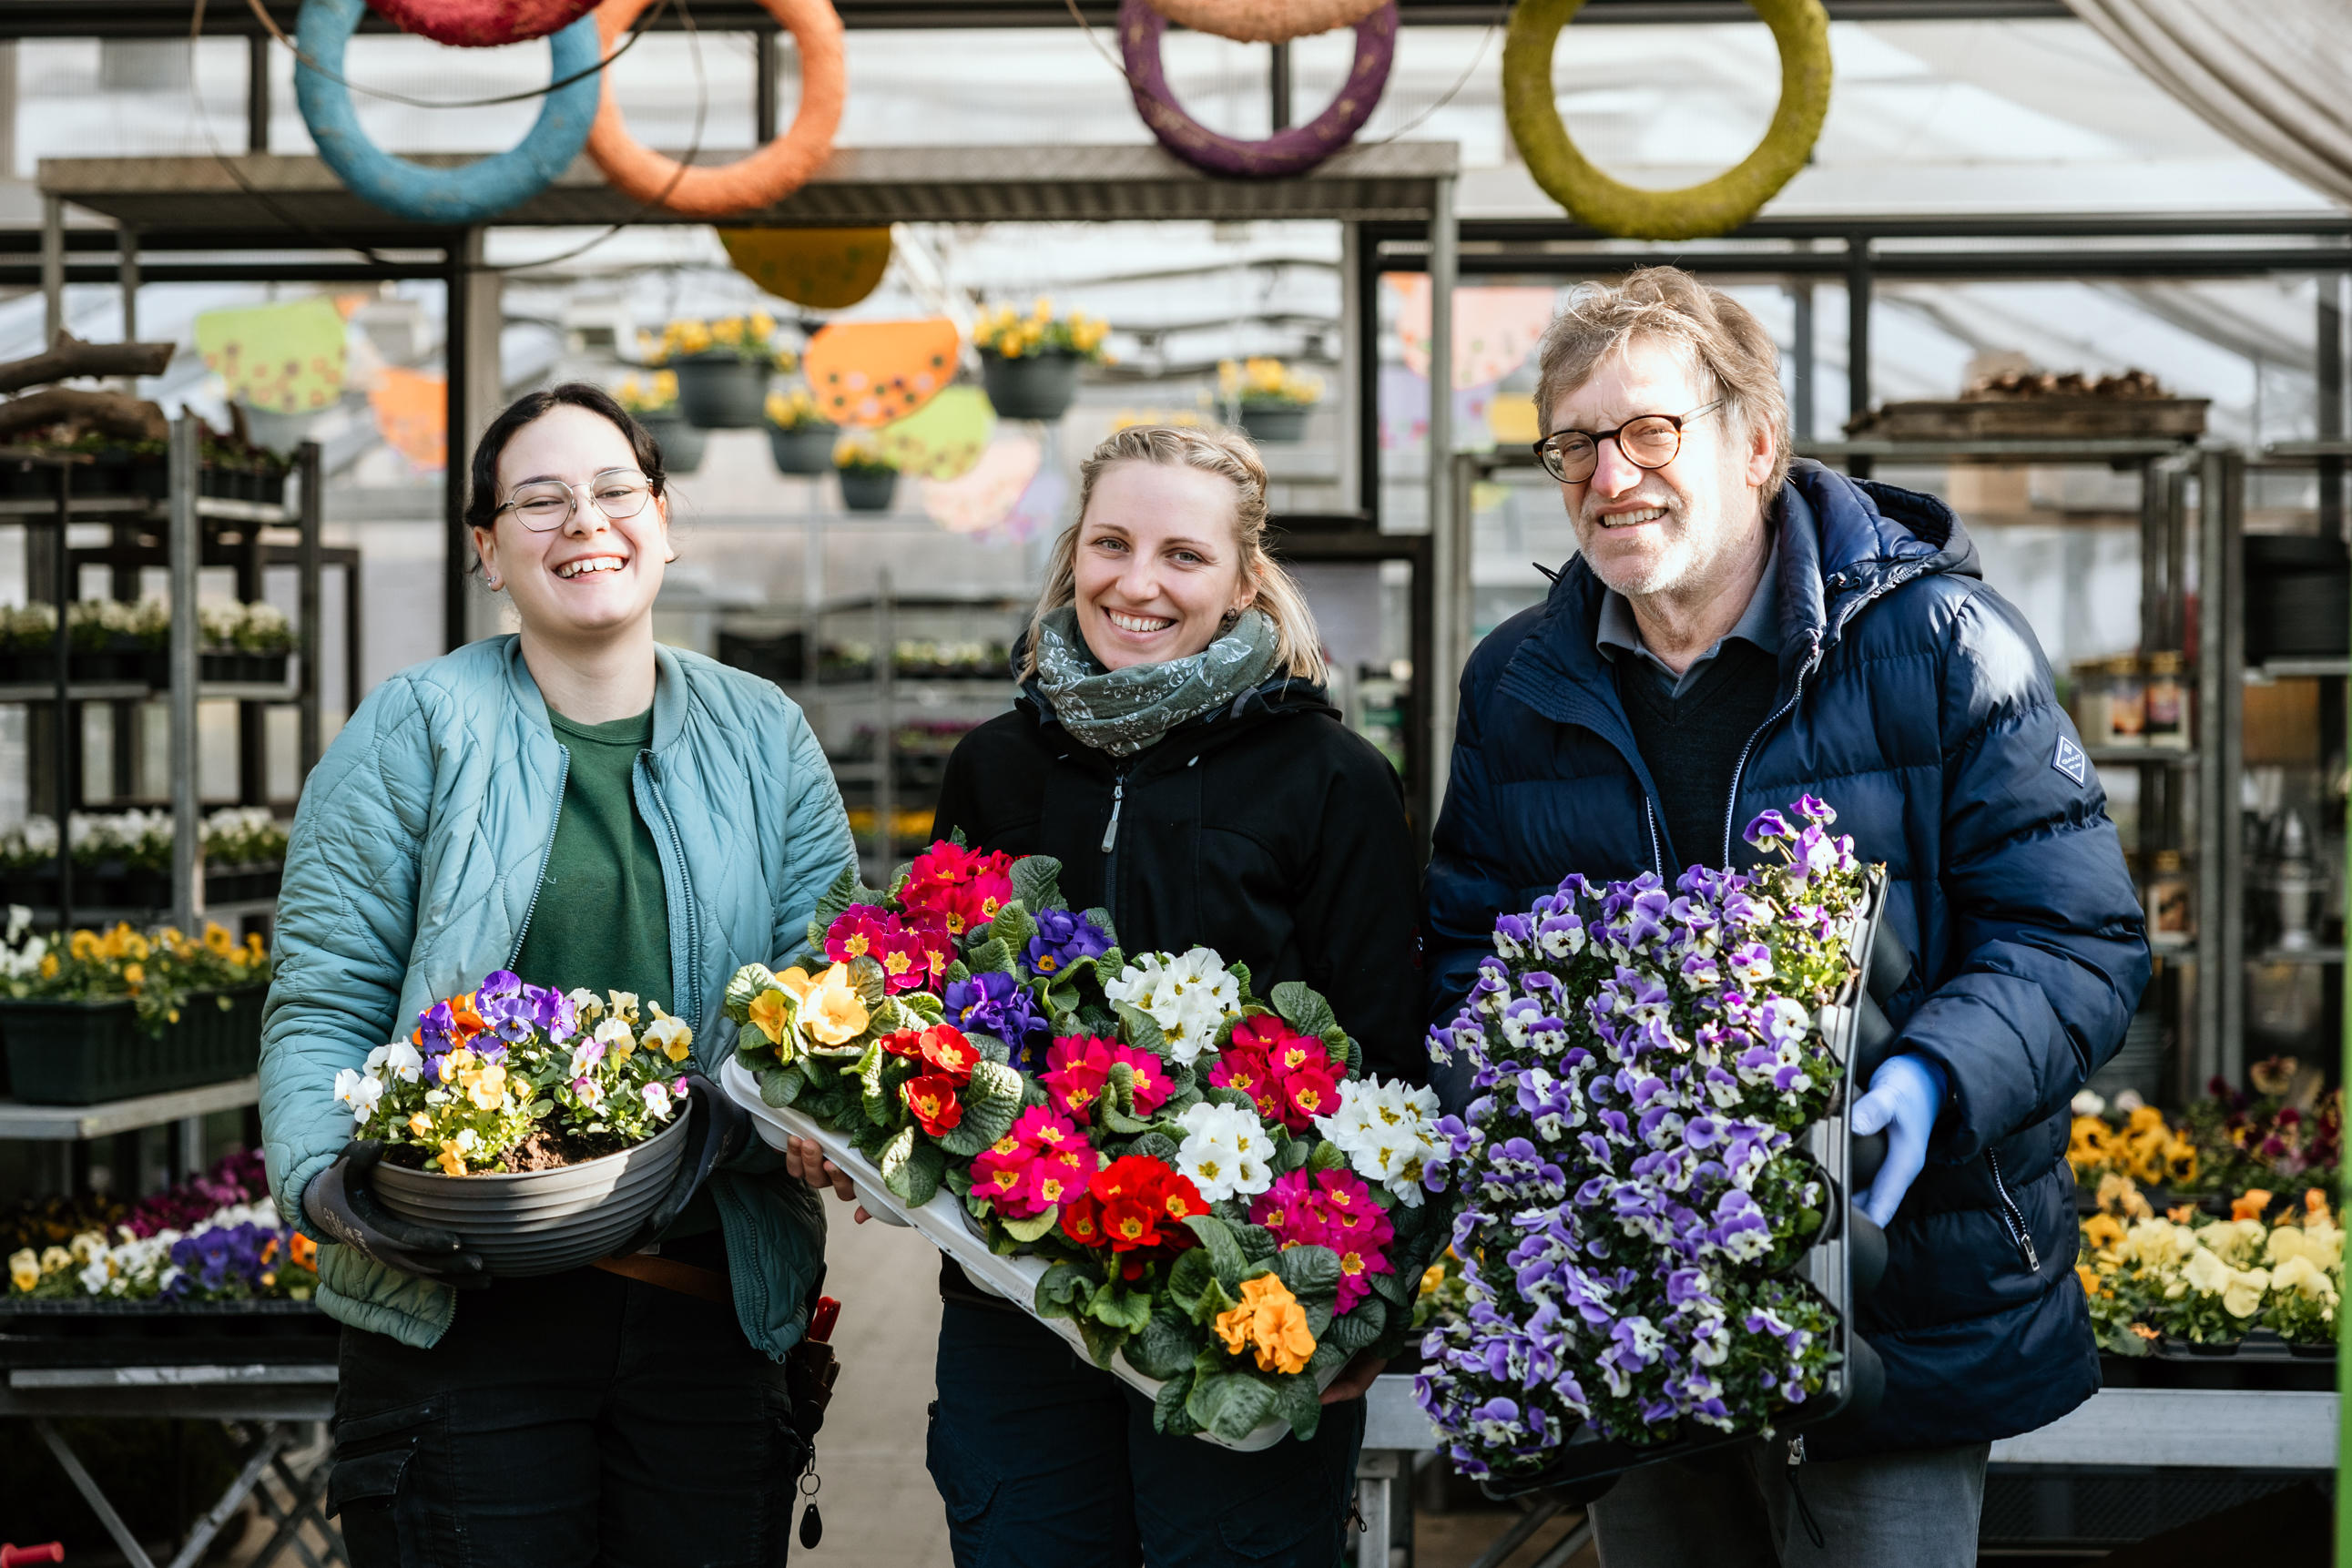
1656	1251
1194	1185
542	1126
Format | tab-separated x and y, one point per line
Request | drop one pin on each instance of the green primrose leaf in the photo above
1034	1228
1225	1252
893	1159
924	1005
1063	1291
1344	1050
1358	1330
1303	1007
1121	1307
1324	1156
1218	1094
1037	883
1392	1288
1169	1417
782	1085
1312	1273
1164	1347
958	973
1232	1406
867	979
1214	1298
1156	1145
1298	1402
1258	1243
1101	919
990	1100
1191	1274
991	955
1103	1342
1140	1030
843	892
747	983
1240	971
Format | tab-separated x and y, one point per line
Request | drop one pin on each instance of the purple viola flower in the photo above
1512	936
1064	937
1768	826
996	1003
1815	810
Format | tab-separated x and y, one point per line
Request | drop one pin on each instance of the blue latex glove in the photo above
1906	1095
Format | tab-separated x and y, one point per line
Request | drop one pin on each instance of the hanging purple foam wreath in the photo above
1291	152
482	23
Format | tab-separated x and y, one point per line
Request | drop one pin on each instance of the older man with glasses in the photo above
1737	630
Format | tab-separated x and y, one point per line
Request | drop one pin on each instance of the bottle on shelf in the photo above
2295	885
2171	908
2127	703
2165	700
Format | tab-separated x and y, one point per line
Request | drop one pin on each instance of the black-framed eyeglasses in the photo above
1648	441
544	504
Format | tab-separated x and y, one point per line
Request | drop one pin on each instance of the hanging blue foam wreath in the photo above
469	193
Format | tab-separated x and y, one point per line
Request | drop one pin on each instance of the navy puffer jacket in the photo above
1915	701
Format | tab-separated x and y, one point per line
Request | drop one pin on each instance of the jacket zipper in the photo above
693	934
1111	844
1731	807
562	774
2013	1217
1657	857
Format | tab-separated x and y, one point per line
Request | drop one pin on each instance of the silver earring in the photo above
495	583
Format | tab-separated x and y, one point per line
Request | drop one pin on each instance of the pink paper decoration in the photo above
1495	330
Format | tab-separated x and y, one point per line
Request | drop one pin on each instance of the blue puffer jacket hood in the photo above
1914	700
415	865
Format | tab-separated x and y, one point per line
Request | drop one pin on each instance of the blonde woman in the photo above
1174	750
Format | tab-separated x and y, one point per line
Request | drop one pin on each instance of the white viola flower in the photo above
586	1005
96	1276
360	1092
668	1036
589	1091
375	1060
585	1056
656	1095
616	1035
403	1061
468	1141
622	1005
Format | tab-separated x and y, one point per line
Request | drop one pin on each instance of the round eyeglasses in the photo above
545	504
1648	441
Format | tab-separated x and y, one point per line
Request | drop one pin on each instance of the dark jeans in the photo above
1046	1461
577	1419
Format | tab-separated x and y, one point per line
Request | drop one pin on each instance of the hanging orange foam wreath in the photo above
1265	21
767	175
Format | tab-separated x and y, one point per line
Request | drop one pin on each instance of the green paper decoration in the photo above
944	438
281	359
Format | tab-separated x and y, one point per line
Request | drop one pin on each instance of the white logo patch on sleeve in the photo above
2071	761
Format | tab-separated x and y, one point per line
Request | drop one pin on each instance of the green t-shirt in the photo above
602	916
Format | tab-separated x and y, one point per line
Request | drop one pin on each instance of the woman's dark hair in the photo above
482	495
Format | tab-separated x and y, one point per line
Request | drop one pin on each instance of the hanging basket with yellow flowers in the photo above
652	400
1030	363
799	438
722	367
1269	398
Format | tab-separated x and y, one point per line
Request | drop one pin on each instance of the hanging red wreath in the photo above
482	23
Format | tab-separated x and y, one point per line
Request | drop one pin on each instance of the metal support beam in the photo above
2329	375
1857	338
1802	360
256	93
312	473
53	270
186	548
127	243
764	67
1278	87
476	391
1356	484
1449	540
457	419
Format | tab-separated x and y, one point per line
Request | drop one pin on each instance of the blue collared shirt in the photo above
1760	623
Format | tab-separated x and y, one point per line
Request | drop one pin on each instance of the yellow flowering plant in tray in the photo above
2206	1280
1265	382
794	410
158	972
655	394
745	337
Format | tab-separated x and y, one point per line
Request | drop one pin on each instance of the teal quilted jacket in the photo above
416	861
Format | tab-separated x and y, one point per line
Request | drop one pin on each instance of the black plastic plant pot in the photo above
722	392
85	1053
682	445
803	449
1274	423
869	490
231	664
1034	386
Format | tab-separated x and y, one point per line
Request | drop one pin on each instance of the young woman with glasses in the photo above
582	806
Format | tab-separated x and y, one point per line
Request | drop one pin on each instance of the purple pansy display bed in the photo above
1657	1248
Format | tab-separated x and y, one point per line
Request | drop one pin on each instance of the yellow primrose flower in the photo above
24	1269
669	1035
1270	1322
771	1014
831	1011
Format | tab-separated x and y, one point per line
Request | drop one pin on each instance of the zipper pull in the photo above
1117	799
2033	1258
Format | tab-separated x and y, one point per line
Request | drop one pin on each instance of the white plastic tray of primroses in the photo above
1190	1184
1635	1192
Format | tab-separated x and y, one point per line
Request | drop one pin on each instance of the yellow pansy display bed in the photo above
1800	27
2190	1281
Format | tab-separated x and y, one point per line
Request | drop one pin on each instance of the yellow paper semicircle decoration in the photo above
823	269
945	437
869	373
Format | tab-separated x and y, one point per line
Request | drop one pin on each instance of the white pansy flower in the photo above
403	1062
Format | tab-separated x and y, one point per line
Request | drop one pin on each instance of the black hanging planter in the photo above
869	490
722	390
682	445
1034	386
803	449
1274	423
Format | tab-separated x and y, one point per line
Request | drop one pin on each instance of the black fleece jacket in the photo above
1268	831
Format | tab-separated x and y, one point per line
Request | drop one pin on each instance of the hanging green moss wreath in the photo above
1800	27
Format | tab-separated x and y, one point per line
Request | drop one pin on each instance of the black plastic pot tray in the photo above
1588	1463
86	1053
154	1333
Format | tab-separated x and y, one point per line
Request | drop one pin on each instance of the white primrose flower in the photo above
1225	1152
1188	996
1383	1128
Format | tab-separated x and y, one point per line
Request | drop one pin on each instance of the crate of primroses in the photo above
1658	1250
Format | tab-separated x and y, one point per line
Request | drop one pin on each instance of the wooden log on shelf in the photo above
113	413
70	356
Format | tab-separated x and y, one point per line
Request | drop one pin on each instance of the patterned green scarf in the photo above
1123	711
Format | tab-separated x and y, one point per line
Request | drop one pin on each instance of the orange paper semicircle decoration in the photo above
867	373
823	269
767	175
